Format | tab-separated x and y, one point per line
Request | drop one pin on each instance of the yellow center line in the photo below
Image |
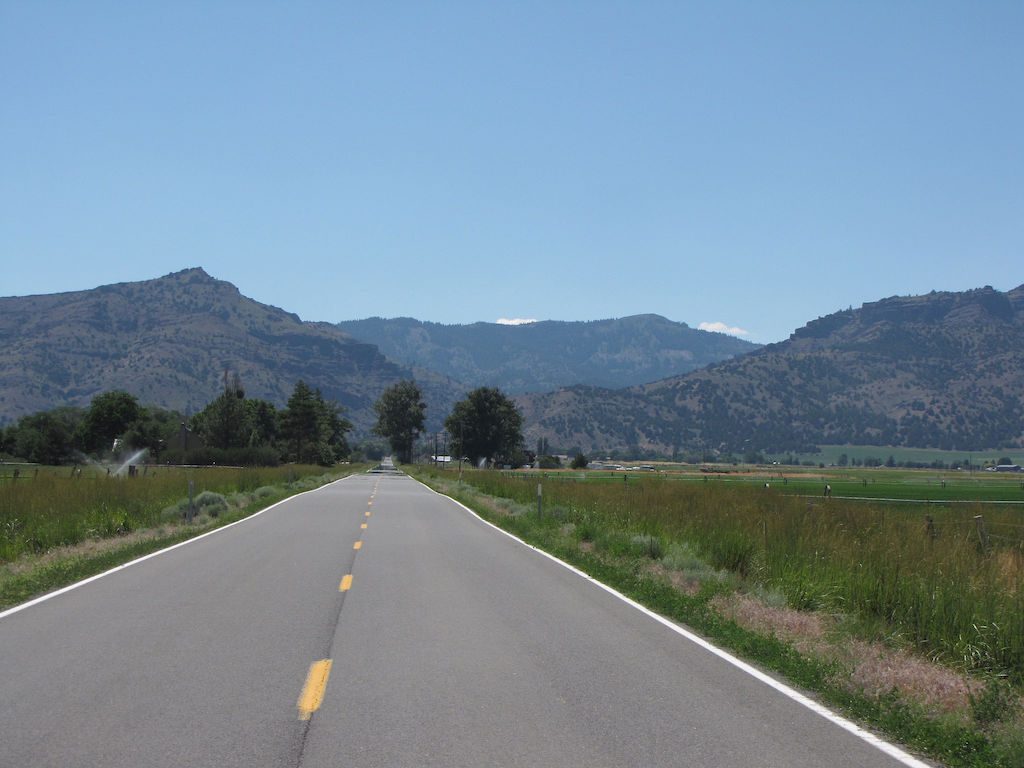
313	691
346	583
367	514
363	526
357	545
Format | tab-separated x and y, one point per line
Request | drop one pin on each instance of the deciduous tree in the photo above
486	425
401	412
108	417
45	437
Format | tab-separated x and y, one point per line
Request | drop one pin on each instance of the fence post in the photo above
979	521
191	505
540	493
930	526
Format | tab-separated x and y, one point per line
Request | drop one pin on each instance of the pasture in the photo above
940	565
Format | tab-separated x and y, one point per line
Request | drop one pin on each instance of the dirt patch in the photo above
873	669
685	584
807	632
877	670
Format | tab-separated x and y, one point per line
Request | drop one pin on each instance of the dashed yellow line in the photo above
367	514
363	526
313	691
346	583
357	545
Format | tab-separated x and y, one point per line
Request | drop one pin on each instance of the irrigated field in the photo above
936	574
913	485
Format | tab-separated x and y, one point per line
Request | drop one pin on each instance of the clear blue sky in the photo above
756	164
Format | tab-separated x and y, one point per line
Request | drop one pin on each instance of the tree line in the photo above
232	429
485	428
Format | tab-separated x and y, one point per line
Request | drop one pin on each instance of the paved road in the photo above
449	645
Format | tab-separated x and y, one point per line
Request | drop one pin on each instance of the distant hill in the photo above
169	340
543	356
944	370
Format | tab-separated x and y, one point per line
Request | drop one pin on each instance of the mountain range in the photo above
169	342
543	356
941	370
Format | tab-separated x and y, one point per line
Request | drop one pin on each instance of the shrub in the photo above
681	556
211	503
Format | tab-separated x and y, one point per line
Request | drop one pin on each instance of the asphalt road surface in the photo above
375	623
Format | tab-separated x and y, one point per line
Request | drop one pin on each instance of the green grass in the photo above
850	559
829	454
923	485
932	583
909	485
52	510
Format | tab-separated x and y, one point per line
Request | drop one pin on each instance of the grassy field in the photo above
932	581
911	485
57	527
829	454
53	507
900	603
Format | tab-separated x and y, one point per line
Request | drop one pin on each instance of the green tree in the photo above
332	444
299	421
107	418
223	423
401	413
486	425
313	428
46	437
579	461
152	430
262	419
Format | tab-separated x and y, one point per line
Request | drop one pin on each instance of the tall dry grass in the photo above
936	586
56	508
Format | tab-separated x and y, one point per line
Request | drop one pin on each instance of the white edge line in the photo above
116	568
890	749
